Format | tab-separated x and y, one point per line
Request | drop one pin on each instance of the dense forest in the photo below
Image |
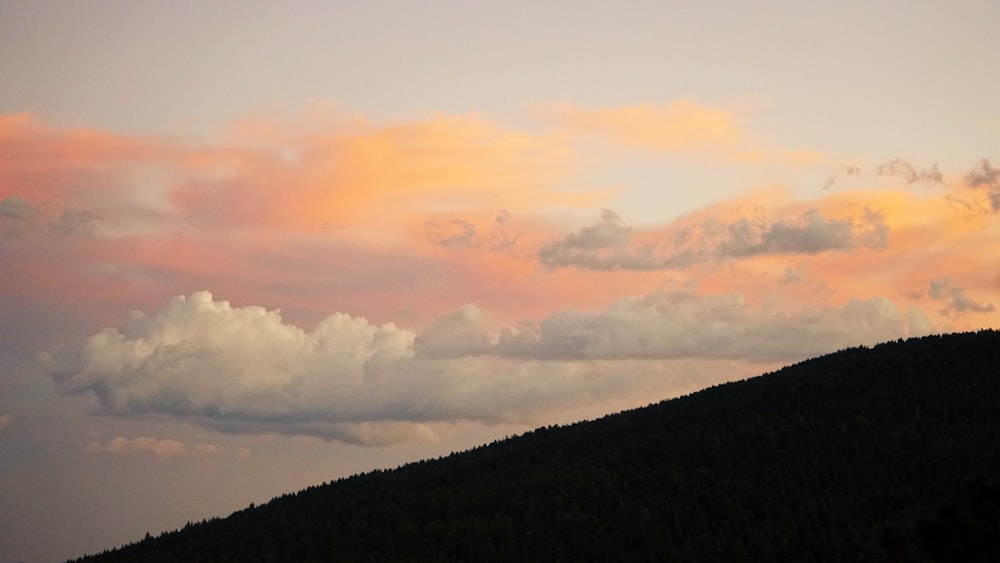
883	453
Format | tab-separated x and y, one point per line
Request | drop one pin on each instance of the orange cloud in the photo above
371	176
40	163
406	221
929	238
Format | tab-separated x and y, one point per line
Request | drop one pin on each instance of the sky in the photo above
249	248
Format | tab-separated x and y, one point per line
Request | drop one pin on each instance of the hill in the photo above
888	453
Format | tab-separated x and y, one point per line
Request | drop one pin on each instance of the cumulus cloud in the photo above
611	245
463	332
955	298
986	177
244	370
202	358
902	169
162	448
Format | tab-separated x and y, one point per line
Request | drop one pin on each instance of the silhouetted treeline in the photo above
888	453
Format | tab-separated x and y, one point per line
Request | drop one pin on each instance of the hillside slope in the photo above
882	453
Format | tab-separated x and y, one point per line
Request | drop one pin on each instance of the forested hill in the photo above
888	453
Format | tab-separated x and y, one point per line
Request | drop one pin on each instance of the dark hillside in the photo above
889	453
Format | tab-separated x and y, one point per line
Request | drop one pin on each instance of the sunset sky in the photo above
251	247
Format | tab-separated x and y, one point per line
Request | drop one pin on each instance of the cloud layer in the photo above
244	370
469	278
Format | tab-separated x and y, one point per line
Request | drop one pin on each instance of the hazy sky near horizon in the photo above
249	248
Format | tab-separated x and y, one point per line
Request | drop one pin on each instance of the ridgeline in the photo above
884	453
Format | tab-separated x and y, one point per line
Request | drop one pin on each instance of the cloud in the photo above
16	215
601	246
77	223
162	448
244	370
849	170
16	208
955	298
452	234
296	176
463	332
986	177
610	245
791	276
902	169
688	325
369	175
812	233
983	175
455	234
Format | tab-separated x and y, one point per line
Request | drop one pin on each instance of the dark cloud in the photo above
955	298
16	216
811	234
609	244
902	169
984	176
19	216
16	208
